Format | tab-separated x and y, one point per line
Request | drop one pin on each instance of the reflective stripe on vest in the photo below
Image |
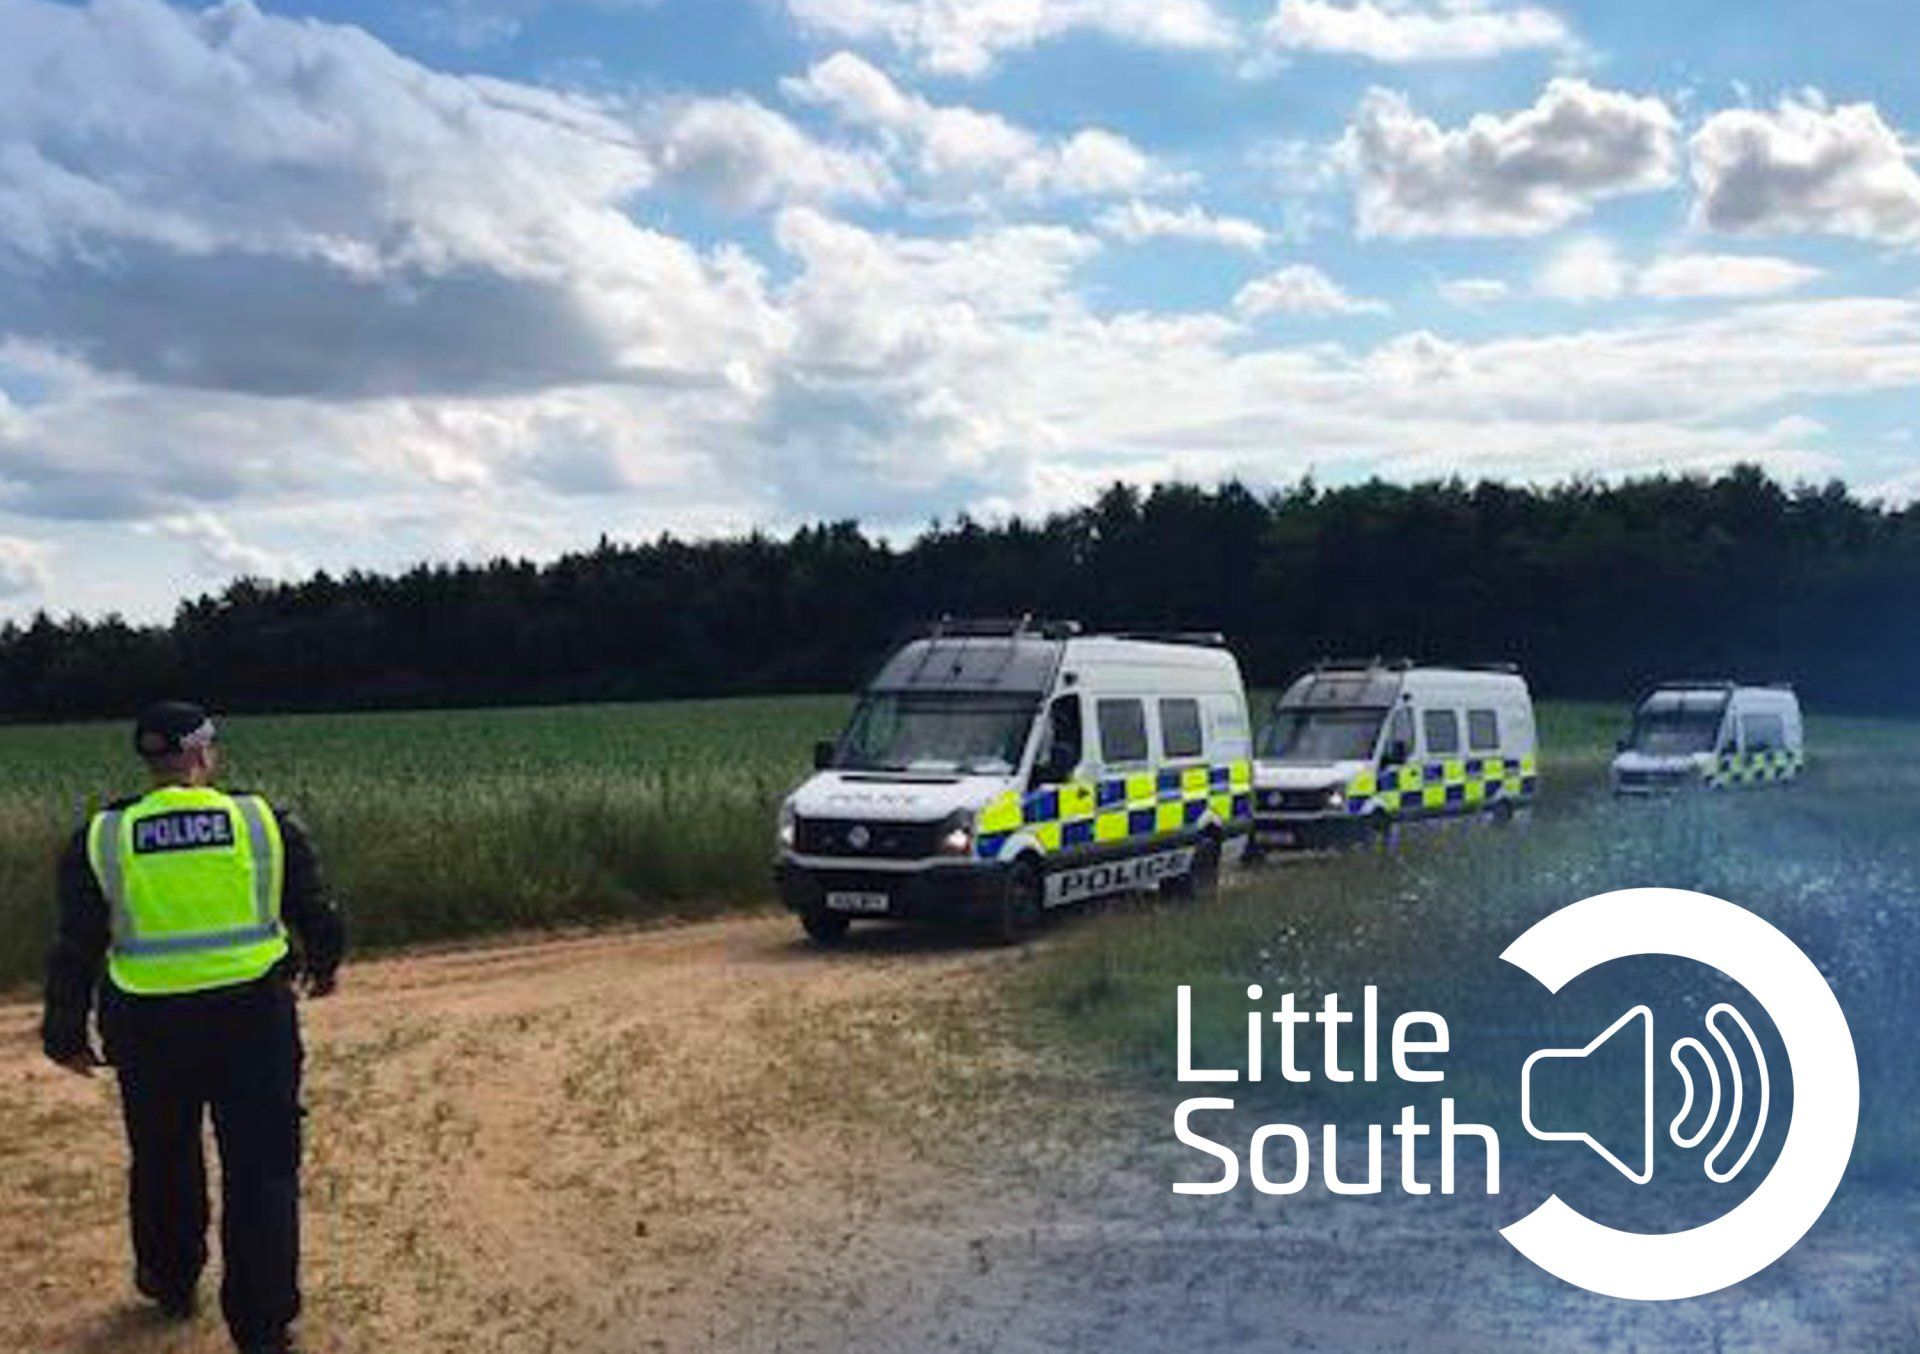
184	919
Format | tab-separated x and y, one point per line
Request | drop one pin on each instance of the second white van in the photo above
1355	749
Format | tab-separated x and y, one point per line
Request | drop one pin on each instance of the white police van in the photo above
995	769
1711	734
1355	749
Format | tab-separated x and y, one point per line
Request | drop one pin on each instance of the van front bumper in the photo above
962	892
1641	783
1310	832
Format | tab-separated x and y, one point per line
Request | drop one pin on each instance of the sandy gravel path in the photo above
714	1137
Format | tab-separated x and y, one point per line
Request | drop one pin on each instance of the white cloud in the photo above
1901	490
1591	268
1091	163
1299	289
900	343
958	152
1401	31
1722	275
23	567
1805	168
1584	269
1136	221
1471	292
216	551
745	157
229	200
967	37
1526	173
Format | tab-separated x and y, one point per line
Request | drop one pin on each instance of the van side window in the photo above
1123	731
1180	728
1443	732
1765	732
1483	730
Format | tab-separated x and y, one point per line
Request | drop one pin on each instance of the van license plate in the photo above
857	902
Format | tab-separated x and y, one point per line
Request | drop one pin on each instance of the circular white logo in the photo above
1826	1094
858	836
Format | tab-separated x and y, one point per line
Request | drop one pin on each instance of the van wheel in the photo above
824	927
1202	877
1501	813
1022	905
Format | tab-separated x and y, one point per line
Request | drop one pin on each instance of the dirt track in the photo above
619	1142
717	1138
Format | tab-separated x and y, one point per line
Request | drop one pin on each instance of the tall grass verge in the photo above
1833	861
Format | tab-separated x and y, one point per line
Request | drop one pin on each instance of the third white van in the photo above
1712	734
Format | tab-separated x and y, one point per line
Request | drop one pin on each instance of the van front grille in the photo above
864	837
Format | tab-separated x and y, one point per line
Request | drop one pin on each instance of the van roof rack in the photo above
1002	627
1207	639
1718	684
1379	664
1695	684
1364	664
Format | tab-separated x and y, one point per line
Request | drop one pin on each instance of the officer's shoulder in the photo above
283	812
86	813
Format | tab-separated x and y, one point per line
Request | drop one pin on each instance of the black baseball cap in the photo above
167	727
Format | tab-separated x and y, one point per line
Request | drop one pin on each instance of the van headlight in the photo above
956	834
785	833
1336	797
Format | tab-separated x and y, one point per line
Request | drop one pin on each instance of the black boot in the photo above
176	1304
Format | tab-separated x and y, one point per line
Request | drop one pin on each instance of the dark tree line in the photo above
1594	588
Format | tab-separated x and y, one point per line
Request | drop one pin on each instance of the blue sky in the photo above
326	285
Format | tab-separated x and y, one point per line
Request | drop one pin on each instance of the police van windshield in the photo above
1677	723
1322	735
950	732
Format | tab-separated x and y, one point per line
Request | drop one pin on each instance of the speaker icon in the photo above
1616	1043
1641	1052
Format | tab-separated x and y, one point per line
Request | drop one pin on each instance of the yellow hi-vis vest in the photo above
192	880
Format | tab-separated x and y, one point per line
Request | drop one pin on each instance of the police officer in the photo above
188	894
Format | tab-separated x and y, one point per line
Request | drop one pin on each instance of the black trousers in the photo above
236	1054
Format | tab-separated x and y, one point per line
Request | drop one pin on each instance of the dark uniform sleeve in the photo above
304	905
79	949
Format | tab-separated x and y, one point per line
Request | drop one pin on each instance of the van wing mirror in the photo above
1398	752
823	754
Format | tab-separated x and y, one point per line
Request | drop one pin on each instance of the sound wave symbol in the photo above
1715	1017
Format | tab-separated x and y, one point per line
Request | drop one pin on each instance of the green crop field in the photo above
443	824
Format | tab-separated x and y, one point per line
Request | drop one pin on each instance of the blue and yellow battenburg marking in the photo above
1118	808
1754	768
1455	785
